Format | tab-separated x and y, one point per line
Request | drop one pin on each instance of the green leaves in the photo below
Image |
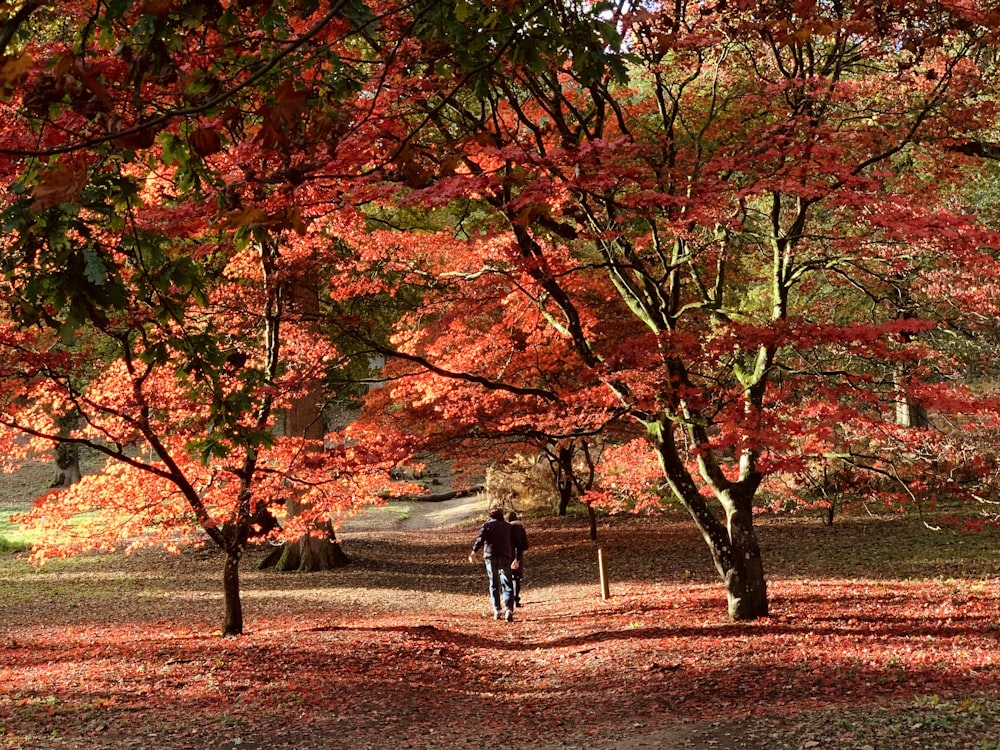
94	269
481	37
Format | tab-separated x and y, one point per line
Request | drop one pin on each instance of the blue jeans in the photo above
517	576
501	581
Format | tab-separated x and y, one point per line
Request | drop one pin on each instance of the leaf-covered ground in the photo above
883	634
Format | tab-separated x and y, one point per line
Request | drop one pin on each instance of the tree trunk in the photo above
592	517
736	553
746	589
308	554
304	419
68	464
565	497
564	477
231	589
733	545
910	413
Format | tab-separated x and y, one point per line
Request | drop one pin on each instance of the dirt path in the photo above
415	515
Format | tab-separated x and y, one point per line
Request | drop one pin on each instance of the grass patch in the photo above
401	513
12	538
15	546
926	722
904	546
19	490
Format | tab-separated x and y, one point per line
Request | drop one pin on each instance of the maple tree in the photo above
157	262
728	231
734	224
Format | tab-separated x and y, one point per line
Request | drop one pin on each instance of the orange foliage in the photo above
750	263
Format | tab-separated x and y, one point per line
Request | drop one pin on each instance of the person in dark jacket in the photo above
520	539
496	541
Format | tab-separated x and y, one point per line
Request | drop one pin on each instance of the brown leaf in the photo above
58	185
245	217
12	70
288	103
139	139
205	141
159	8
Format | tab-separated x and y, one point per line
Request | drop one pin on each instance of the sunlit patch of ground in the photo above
882	634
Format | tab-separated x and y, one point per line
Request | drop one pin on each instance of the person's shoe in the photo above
497	614
510	615
517	603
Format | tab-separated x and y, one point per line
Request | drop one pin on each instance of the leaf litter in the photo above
880	635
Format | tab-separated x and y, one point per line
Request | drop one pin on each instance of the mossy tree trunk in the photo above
67	464
733	544
309	554
320	549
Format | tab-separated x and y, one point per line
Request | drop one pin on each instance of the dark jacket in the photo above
495	536
519	537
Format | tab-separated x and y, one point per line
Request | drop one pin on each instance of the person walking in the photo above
496	541
520	539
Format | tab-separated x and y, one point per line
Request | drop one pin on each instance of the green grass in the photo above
18	490
12	538
927	722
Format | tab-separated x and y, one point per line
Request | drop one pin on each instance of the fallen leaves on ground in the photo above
397	650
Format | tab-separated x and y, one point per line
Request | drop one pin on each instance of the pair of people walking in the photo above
503	542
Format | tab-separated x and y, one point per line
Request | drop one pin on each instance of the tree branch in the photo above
13	23
977	148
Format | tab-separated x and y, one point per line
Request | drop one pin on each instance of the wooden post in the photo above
605	592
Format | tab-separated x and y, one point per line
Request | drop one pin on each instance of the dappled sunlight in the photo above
372	648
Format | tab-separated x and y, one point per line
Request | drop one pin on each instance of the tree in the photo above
733	225
319	549
156	232
715	216
574	465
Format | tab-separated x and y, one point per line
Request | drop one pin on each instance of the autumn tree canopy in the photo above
158	262
736	239
739	225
